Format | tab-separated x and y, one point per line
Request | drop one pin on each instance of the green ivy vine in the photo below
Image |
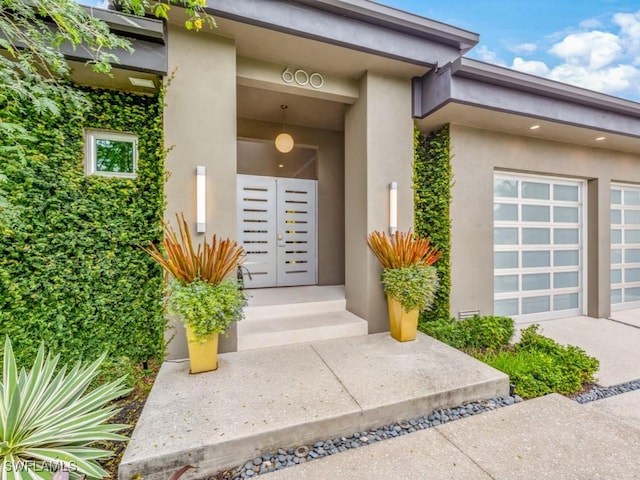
71	272
432	180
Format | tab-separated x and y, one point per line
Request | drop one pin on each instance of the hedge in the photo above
432	180
71	271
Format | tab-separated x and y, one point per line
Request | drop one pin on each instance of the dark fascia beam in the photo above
392	18
354	24
512	79
469	82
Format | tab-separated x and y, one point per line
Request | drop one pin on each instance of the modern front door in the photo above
277	229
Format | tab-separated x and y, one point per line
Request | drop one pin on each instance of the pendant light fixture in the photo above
284	141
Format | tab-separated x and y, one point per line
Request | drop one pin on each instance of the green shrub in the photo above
432	179
538	365
71	272
476	333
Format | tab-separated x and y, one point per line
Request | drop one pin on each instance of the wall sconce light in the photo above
393	207
201	199
284	141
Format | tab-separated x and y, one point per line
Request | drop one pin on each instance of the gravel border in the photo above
283	458
598	392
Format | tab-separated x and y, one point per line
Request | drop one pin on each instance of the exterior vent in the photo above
462	314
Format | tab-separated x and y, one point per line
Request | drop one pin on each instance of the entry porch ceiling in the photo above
264	105
488	119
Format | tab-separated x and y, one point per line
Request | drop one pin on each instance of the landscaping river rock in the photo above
284	458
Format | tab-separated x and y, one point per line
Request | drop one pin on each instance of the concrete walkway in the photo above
260	400
550	437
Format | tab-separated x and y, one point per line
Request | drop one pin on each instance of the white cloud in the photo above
629	24
615	79
593	49
490	56
590	24
524	48
534	67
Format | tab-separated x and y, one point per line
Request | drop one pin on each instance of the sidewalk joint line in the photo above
624	323
437	429
338	379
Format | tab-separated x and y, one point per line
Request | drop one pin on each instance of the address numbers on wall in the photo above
302	77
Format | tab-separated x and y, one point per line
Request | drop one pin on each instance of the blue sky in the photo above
590	43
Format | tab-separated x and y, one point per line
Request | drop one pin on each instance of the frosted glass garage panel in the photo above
616	217
616	236
505	212
566	214
507	308
616	197
566	301
631	275
566	279
632	295
632	236
536	236
632	197
632	217
616	255
616	275
632	255
505	236
566	258
503	260
616	295
566	236
505	283
536	259
566	193
505	188
536	213
536	281
536	190
536	304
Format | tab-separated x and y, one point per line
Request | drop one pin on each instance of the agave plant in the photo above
403	249
49	421
209	262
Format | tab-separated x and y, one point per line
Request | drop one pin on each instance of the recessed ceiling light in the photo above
142	82
599	139
281	166
534	127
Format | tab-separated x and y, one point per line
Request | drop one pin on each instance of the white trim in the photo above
92	135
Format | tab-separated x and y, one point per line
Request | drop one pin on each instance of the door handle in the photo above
280	237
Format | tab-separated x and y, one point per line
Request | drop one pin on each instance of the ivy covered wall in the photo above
432	189
71	272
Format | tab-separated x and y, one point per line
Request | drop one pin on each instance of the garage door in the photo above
625	246
538	245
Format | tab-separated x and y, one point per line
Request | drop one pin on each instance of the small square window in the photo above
112	154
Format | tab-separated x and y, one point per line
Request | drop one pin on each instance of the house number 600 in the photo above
302	78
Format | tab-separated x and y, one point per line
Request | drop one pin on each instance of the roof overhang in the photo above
355	24
482	95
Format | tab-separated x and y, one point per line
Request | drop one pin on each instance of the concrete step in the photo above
261	400
290	301
307	327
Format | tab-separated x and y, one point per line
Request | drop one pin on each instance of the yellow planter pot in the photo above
403	325
203	354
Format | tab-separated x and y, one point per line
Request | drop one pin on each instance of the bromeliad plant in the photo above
49	421
200	289
408	275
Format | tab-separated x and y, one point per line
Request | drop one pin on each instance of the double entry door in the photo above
277	229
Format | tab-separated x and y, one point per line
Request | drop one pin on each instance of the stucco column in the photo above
378	151
598	251
200	129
